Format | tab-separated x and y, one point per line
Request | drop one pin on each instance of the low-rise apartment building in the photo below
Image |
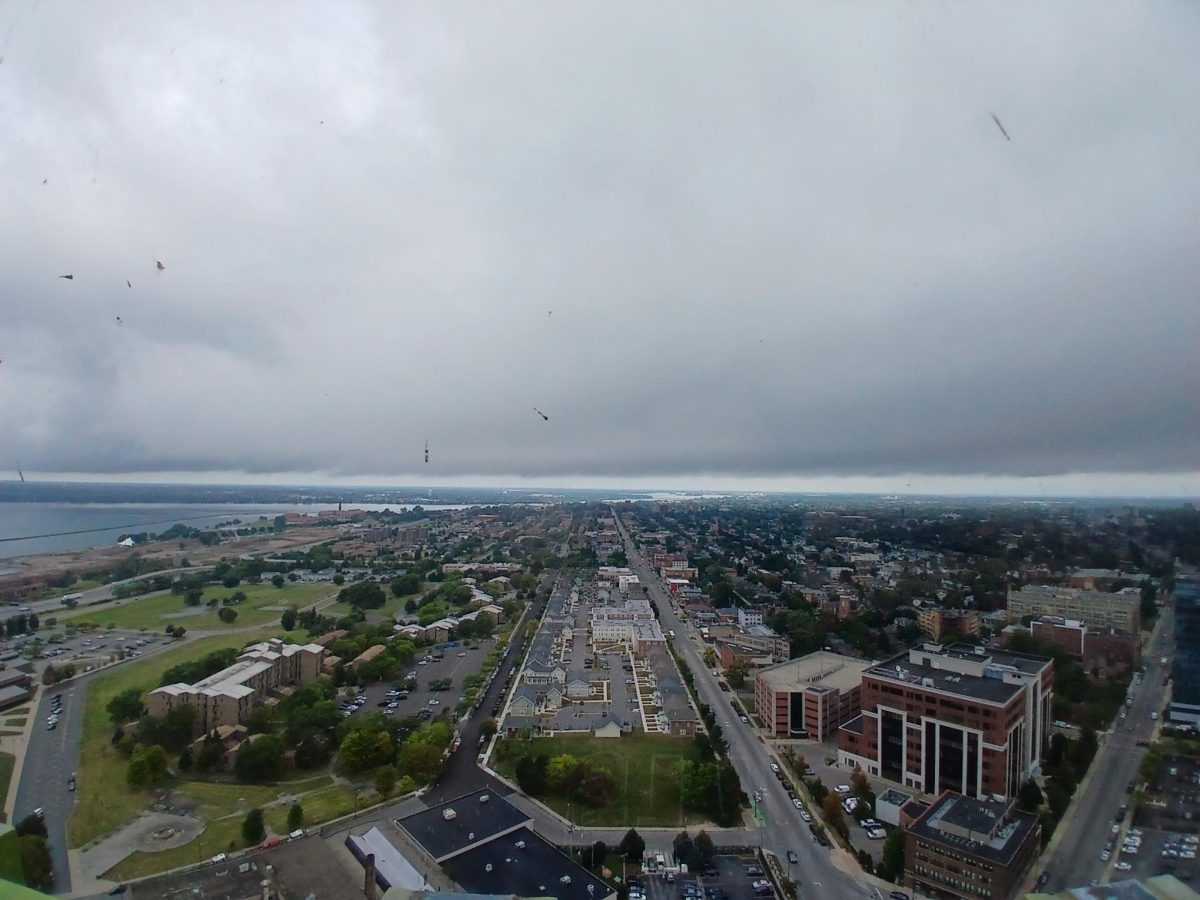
968	848
969	719
227	697
936	622
810	696
1120	611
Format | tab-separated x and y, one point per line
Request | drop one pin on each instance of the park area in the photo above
644	769
263	603
105	801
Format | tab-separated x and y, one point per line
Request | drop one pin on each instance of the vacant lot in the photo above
643	767
104	800
154	612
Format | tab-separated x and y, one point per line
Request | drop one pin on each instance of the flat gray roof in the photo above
823	668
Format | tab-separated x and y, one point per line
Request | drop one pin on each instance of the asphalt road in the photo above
815	875
1076	860
463	774
49	761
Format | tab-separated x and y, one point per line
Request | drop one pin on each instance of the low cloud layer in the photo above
765	242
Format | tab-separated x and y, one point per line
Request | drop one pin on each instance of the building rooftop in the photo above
523	864
983	674
984	828
820	668
474	821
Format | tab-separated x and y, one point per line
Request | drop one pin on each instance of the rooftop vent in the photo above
488	867
520	845
484	798
449	814
566	879
471	836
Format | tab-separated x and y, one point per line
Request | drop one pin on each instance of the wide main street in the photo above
816	876
1076	861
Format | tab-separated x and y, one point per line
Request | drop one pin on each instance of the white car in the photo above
805	815
796	802
774	767
842	789
1105	856
1123	867
435	702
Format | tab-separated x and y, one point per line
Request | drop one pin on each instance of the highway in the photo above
816	876
1076	861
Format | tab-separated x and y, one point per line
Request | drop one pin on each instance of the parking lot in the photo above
731	881
1167	825
84	649
456	664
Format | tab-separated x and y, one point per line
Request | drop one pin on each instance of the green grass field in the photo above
7	761
219	836
319	806
154	612
392	606
104	801
643	767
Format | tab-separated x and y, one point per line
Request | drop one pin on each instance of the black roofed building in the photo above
967	848
486	845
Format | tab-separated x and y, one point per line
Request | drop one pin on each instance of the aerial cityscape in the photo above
611	451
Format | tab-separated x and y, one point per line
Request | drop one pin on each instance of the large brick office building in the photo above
962	718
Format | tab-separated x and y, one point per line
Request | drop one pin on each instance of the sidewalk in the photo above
17	745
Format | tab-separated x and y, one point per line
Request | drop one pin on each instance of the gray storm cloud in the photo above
777	240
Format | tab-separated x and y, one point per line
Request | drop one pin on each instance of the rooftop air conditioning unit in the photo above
566	879
484	798
520	845
488	867
449	814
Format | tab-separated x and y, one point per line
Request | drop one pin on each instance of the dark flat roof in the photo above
474	821
1010	831
535	870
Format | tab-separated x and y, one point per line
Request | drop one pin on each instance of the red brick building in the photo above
969	719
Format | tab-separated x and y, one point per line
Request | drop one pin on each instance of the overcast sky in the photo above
717	244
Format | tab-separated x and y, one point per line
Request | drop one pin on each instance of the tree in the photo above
36	865
278	580
1029	799
705	845
736	674
192	596
227	615
127	706
632	846
252	827
288	619
891	863
532	774
260	721
31	824
385	781
295	816
364	595
831	807
185	760
596	787
488	727
261	759
147	765
559	770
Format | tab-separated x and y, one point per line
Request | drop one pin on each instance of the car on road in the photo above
796	802
1122	867
435	702
775	767
792	857
71	782
842	789
1105	856
805	815
40	812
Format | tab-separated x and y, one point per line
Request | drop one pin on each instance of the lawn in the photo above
104	800
390	607
643	767
219	836
7	761
319	806
224	808
154	612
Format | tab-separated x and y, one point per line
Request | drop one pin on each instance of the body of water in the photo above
29	528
